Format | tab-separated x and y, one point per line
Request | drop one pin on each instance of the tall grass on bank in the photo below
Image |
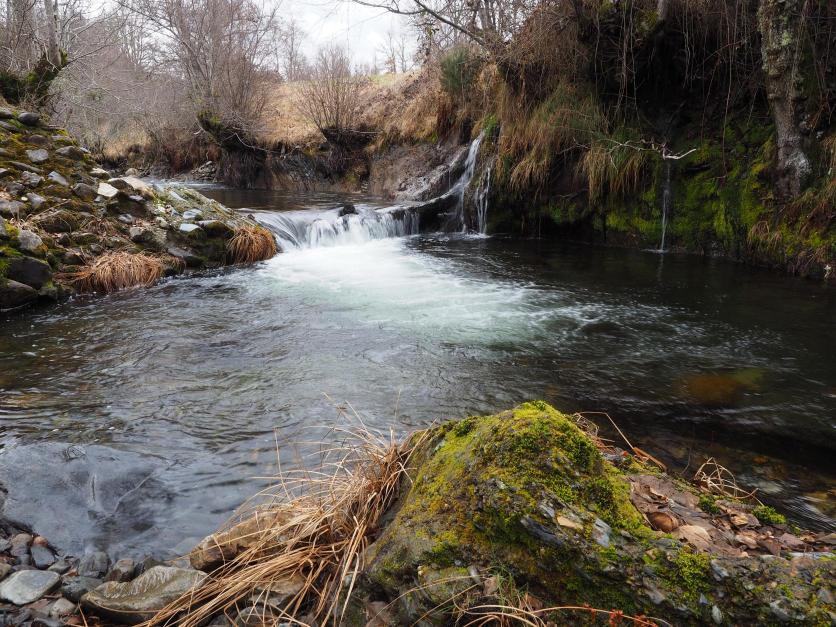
115	271
315	531
251	244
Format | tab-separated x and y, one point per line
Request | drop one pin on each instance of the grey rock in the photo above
716	615
6	113
56	177
61	608
106	190
100	173
127	218
5	172
95	564
32	272
193	214
162	222
132	185
131	172
14	295
72	258
35	200
136	601
42	556
30	179
10	208
718	570
84	191
216	228
39	155
25	167
192	260
46	621
71	152
122	571
5	569
601	532
20	544
29	241
255	616
347	210
27	586
60	567
189	228
9	127
76	587
29	118
4	232
37	140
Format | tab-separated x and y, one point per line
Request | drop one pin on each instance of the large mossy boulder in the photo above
526	498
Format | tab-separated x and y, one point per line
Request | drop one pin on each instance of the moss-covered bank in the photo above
527	498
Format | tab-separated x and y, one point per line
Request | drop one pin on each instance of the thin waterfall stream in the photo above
666	201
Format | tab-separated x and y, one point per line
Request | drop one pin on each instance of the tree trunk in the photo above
780	23
53	54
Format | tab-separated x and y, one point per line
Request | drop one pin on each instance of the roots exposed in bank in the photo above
115	271
251	244
311	538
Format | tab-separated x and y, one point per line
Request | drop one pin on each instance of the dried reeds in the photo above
115	271
251	244
717	479
315	532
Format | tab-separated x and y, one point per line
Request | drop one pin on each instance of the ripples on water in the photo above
177	395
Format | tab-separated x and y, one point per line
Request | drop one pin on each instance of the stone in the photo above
37	140
138	600
14	295
192	214
42	556
162	222
189	228
123	570
71	152
216	228
10	208
56	177
27	586
95	564
106	190
6	113
30	179
5	569
29	242
76	587
100	173
4	232
61	608
46	621
131	172
25	167
84	191
29	118
20	544
35	200
60	221
61	566
127	218
32	272
132	185
9	127
601	532
347	210
5	173
39	155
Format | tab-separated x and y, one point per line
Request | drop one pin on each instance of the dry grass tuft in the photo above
115	271
315	531
251	244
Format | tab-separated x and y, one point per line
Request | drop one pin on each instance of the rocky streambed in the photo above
527	510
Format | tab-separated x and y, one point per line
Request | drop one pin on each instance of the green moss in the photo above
708	504
768	516
692	571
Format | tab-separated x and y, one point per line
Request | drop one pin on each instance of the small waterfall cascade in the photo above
460	188
666	202
480	199
299	230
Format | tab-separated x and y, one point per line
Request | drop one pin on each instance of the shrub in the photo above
459	69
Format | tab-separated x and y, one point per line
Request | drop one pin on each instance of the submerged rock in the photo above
137	601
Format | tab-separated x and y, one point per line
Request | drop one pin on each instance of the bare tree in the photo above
331	98
292	64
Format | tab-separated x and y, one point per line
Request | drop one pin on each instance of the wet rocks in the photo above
94	564
42	556
347	210
122	571
26	586
14	295
75	587
138	600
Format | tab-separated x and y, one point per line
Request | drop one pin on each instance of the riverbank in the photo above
68	226
527	513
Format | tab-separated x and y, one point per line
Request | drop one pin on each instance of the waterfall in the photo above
666	200
480	199
458	222
296	230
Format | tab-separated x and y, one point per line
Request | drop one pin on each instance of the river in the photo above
139	421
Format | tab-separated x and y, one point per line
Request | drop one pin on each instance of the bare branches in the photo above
331	98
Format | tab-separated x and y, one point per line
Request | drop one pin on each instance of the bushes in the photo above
459	69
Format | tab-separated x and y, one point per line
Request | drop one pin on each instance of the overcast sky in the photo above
363	29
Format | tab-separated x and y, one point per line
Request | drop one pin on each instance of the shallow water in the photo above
138	421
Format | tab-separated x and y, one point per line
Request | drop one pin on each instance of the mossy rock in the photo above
527	496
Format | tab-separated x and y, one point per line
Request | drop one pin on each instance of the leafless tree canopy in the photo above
331	98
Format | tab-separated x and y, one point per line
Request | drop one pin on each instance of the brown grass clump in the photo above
115	271
314	531
251	244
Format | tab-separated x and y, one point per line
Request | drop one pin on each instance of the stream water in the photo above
137	422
